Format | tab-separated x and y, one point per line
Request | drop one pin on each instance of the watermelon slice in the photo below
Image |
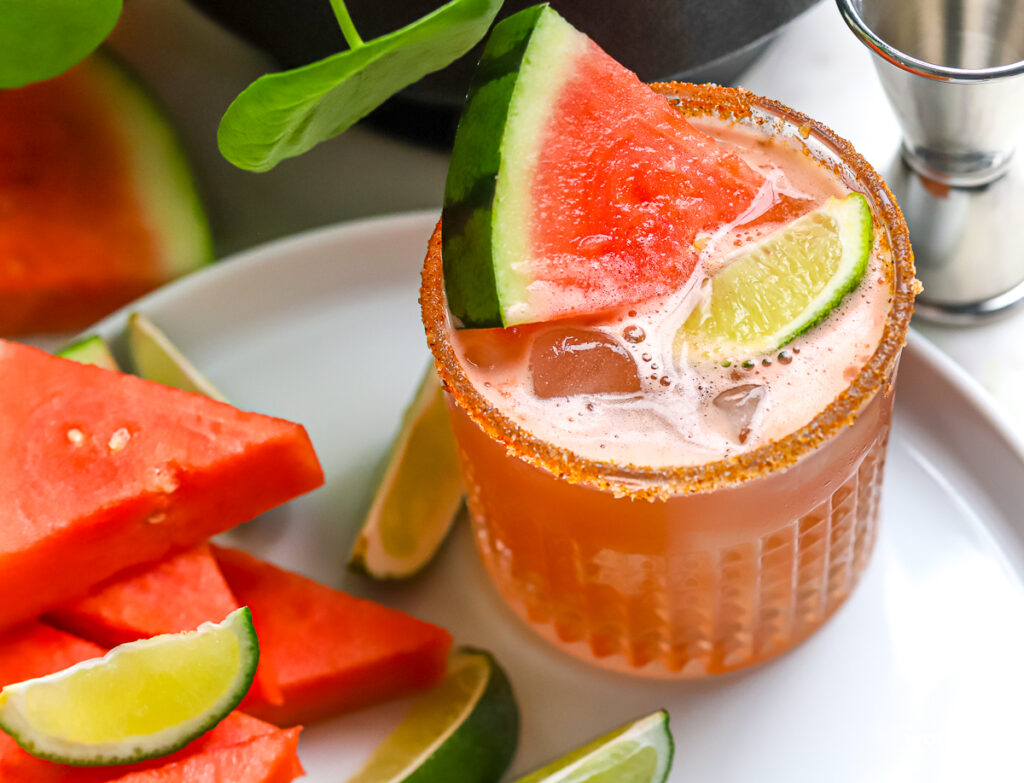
98	202
330	652
573	187
177	594
100	471
271	758
35	649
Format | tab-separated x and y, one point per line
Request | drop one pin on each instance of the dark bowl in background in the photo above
685	40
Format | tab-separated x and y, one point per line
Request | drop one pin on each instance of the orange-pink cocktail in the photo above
718	534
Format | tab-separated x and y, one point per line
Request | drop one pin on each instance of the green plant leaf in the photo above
282	115
40	39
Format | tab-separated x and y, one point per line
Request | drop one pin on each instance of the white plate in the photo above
920	677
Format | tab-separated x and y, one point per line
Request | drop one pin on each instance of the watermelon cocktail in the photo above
670	374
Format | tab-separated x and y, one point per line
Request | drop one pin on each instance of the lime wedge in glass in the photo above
639	752
466	729
141	700
157	359
419	493
770	293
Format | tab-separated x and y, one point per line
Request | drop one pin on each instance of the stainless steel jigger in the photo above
954	73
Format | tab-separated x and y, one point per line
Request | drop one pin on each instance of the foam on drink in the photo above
619	387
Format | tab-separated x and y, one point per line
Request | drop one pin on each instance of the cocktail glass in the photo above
687	571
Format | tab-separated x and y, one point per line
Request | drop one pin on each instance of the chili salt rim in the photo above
643	482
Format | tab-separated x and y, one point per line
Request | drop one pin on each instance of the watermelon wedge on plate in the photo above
573	187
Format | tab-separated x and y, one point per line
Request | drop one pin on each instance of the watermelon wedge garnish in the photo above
573	187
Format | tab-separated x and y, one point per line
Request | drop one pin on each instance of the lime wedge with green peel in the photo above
466	729
419	494
90	350
157	359
639	752
139	701
770	293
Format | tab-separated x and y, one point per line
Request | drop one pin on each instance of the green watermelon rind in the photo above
161	175
513	77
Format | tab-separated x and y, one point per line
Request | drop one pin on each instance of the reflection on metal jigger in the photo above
954	73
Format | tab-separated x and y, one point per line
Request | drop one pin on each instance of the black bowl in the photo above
684	40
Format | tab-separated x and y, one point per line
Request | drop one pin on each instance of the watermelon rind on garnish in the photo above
573	188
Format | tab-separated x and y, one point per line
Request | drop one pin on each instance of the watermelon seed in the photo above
75	436
119	439
634	334
156	517
164	481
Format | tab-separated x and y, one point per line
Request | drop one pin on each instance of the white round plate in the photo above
919	677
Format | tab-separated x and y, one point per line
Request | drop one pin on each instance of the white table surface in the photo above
196	68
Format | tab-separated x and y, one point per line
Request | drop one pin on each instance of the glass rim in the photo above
644	482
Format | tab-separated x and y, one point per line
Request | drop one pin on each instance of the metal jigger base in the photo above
968	243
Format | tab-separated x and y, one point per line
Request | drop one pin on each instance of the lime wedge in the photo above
157	359
419	493
466	729
90	350
141	700
771	293
639	752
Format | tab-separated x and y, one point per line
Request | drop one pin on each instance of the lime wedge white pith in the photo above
466	729
639	752
141	700
157	359
771	293
419	494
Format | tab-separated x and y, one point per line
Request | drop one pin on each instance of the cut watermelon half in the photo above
573	187
98	203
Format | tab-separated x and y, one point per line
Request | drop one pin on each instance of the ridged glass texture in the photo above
687	587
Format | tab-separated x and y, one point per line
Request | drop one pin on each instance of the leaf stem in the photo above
345	21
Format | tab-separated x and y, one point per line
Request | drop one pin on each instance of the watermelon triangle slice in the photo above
177	594
100	471
329	651
573	187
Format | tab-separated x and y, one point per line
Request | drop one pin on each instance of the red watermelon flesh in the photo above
177	594
623	186
330	651
35	650
100	471
271	758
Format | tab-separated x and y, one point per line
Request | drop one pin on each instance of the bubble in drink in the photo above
739	404
634	334
568	361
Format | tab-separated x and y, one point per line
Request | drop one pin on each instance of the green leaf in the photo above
282	115
40	39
